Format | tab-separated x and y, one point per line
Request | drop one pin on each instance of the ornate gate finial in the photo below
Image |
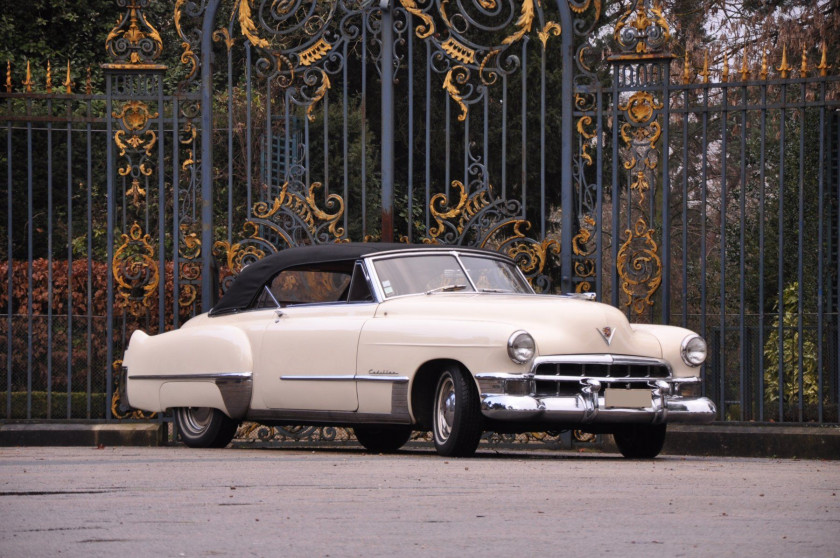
642	29
133	41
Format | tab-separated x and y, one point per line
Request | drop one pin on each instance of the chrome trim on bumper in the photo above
600	359
588	407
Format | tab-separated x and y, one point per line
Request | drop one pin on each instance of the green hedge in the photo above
78	405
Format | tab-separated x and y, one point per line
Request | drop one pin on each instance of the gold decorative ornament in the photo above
319	95
642	29
640	266
132	414
136	273
686	76
133	42
246	25
745	69
49	86
314	53
8	76
88	84
803	69
457	51
725	73
785	68
27	83
68	83
457	75
763	73
823	67
705	73
523	24
426	28
551	28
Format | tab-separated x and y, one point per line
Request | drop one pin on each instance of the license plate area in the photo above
627	398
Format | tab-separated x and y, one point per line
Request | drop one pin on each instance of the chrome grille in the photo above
600	370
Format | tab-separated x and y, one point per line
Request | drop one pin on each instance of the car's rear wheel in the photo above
640	441
456	416
382	439
203	427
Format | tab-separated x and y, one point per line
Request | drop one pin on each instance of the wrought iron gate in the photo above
489	122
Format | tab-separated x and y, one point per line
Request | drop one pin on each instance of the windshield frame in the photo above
457	253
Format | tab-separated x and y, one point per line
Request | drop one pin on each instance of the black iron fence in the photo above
683	195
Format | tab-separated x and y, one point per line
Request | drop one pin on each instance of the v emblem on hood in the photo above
607	334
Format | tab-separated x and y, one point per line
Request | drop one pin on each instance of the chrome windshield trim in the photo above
229	376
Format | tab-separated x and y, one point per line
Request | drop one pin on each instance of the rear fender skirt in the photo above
234	387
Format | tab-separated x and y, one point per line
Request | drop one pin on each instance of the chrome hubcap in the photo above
195	419
444	408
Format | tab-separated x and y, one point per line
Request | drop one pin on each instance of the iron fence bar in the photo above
820	254
207	237
109	324
49	261
742	328
249	125
410	170
666	196
447	156
567	194
703	217
428	138
344	142
387	124
523	111
684	244
542	145
176	208
800	257
504	135
230	145
89	203
615	189
363	162
781	271
69	260
599	200
162	209
724	128
10	286
326	143
30	256
761	221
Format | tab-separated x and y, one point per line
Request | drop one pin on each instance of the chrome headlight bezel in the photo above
694	350
521	347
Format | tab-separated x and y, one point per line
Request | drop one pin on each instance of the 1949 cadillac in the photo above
390	338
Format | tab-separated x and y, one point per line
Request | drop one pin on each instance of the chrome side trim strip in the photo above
346	378
341	378
391	379
230	376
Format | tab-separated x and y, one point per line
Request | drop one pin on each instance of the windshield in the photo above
431	273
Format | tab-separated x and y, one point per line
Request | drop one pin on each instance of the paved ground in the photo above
173	501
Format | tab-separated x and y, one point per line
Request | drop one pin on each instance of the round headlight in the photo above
521	347
693	350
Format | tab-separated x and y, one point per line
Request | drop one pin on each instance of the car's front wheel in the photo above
382	439
640	441
456	416
203	427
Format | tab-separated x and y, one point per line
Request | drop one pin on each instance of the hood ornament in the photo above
607	334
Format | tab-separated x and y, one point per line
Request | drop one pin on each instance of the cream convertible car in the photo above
394	338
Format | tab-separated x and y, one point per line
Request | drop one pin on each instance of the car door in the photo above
307	358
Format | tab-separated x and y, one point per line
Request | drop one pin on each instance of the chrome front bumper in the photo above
587	404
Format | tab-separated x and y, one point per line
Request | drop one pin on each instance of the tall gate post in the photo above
643	65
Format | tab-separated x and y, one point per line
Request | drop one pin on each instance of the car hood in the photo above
560	325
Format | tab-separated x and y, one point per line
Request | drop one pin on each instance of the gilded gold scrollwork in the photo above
458	75
640	267
642	29
136	273
116	400
133	41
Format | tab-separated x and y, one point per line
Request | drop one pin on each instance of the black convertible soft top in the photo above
248	282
